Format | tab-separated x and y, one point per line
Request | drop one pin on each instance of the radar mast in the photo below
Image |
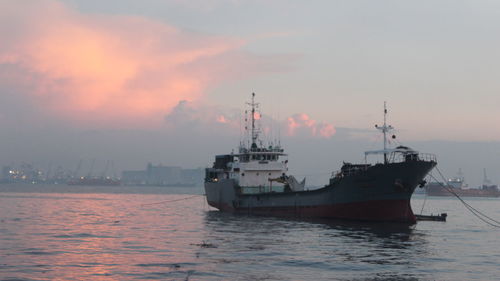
255	130
385	129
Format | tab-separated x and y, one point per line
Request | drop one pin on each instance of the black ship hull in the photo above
380	192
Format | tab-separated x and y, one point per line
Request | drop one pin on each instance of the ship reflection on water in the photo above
325	247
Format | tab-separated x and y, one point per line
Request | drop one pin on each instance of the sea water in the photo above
50	232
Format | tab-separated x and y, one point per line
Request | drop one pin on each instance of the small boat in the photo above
255	180
431	217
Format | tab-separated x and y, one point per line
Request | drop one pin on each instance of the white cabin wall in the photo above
256	173
259	178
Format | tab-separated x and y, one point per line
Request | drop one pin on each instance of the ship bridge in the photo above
255	166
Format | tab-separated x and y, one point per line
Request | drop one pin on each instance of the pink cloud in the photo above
196	116
119	71
302	123
222	119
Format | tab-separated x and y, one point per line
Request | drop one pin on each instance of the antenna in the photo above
279	128
240	131
246	129
255	133
385	128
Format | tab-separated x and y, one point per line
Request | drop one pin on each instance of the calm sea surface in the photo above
132	233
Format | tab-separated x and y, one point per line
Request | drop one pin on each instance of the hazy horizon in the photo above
166	81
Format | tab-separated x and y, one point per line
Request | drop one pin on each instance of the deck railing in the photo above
393	158
398	158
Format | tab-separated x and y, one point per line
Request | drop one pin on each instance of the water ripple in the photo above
111	237
82	235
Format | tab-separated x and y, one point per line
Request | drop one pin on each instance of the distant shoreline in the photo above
123	189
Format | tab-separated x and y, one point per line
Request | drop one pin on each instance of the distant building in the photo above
134	177
192	175
163	176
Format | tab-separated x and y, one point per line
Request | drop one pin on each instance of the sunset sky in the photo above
123	79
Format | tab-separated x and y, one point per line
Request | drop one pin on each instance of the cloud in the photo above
194	117
112	70
215	120
301	123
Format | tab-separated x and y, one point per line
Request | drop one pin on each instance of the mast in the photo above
385	128
255	133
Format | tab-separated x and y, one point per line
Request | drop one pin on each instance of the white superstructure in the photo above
256	167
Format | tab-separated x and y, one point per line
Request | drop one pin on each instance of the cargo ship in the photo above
255	181
456	186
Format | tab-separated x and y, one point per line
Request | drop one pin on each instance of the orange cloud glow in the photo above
105	70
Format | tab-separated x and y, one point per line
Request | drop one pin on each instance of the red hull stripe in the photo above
382	210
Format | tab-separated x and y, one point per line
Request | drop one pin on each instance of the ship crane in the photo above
105	172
